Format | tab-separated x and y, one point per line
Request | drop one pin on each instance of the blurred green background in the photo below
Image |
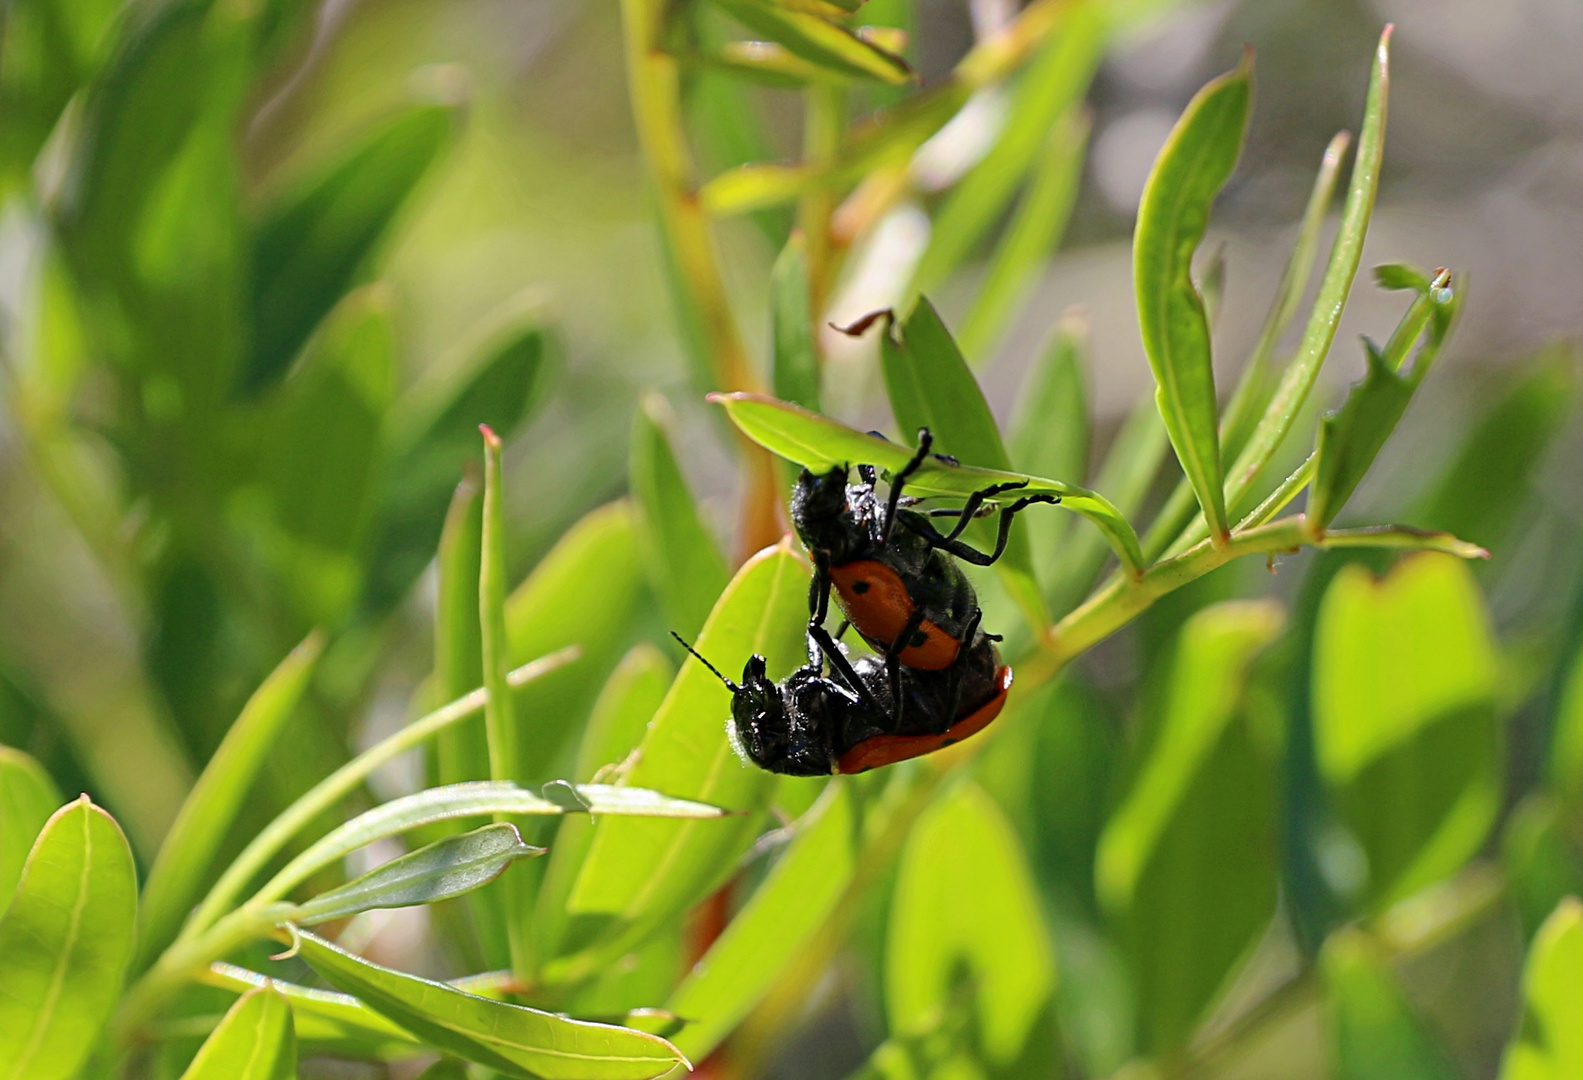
165	536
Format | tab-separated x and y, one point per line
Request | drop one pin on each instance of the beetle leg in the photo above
899	481
970	554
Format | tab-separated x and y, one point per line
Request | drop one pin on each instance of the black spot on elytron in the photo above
920	639
860	587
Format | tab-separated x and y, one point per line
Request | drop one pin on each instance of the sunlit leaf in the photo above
1404	721
255	1041
1187	864
1051	432
639	875
461	752
508	1038
818	40
685	567
66	938
27	799
773	929
1194	165
817	442
324	1019
1550	1043
1374	1034
211	807
965	899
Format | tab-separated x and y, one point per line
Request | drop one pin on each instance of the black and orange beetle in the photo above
813	725
891	569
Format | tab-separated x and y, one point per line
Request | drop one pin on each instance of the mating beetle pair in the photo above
937	677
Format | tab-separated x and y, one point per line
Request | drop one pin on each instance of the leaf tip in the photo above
491	440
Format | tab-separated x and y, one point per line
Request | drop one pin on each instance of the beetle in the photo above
898	587
811	724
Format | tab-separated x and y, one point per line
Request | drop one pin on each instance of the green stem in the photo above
824	124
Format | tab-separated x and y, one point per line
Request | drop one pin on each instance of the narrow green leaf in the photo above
448	867
1351	437
1345	253
1256	384
255	1041
965	898
1033	235
1051	432
819	41
1404	719
931	386
586	592
1403	538
685	567
67	938
471	799
640	874
1565	766
795	372
499	719
460	752
27	799
818	443
775	927
1373	1031
313	237
324	1019
1054	80
508	1038
187	854
1550	1044
1187	863
1194	165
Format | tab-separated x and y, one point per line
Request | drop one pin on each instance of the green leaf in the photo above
499	716
819	443
1054	80
324	1020
685	567
1194	165
460	752
508	1038
50	49
27	799
641	874
1565	765
1550	1044
1351	437
1373	1031
1298	379
1051	434
776	927
965	899
586	591
819	41
448	867
255	1041
471	799
1404	719
1033	235
620	716
931	386
66	939
1187	864
316	235
185	858
795	372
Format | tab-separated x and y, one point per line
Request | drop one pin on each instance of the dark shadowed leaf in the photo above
1374	1034
315	236
1051	433
795	373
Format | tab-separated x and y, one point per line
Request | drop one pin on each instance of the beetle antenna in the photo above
731	686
